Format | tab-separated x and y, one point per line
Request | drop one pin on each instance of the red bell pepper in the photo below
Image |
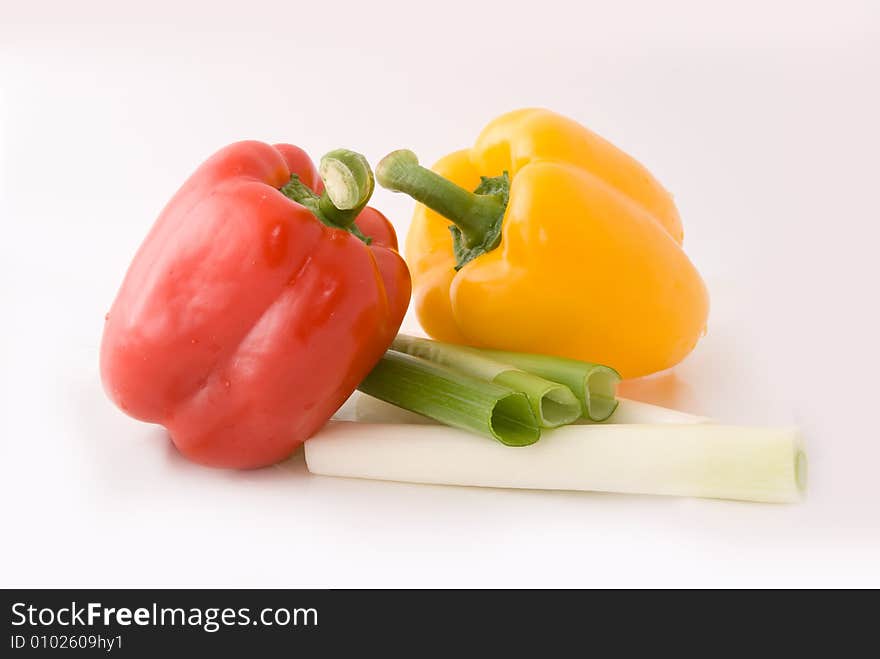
257	303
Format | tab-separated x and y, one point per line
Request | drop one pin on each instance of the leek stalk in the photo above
453	398
552	403
696	459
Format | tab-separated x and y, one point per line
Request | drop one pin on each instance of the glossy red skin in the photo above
243	322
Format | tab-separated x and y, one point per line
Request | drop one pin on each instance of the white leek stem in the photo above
701	460
634	411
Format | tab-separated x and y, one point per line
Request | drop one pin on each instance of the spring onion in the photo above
553	404
593	384
701	460
367	409
453	398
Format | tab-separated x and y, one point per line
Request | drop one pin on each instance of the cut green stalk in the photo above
552	403
695	459
453	398
593	384
476	216
348	186
367	409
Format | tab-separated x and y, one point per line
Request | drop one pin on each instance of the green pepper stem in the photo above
348	186
476	215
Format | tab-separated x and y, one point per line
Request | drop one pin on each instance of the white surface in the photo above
760	116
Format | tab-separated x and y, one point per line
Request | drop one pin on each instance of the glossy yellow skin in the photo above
590	264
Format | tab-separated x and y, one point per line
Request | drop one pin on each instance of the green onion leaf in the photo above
594	385
552	403
453	398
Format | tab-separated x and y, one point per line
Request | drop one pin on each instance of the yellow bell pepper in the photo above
566	246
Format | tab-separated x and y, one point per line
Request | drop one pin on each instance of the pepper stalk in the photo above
476	216
348	186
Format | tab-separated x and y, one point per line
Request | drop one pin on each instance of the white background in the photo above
762	118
